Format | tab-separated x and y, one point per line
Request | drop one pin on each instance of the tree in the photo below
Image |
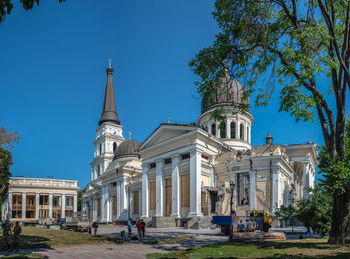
293	45
315	211
80	196
6	6
8	138
288	213
5	174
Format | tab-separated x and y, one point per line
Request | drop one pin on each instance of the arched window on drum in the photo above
233	130
241	131
222	130
213	129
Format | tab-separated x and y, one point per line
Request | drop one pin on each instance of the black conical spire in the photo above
109	110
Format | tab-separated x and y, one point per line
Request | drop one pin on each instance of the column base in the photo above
195	214
175	215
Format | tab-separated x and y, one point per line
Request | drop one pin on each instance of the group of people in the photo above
249	226
140	226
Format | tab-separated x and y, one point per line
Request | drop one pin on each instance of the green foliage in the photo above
315	211
5	174
6	6
336	171
288	213
80	196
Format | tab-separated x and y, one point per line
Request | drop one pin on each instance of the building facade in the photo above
40	199
183	172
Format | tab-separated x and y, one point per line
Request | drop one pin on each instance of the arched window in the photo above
114	146
233	130
213	129
222	130
100	149
241	131
98	170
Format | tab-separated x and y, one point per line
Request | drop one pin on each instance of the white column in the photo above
9	208
63	201
123	200
252	188
217	129
118	201
228	129
75	203
103	204
140	203
159	188
131	202
145	191
209	127
24	205
37	205
238	133
94	209
108	208
275	190
50	205
195	183
175	183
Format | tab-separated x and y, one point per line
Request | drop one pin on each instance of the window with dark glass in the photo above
167	161
152	165
241	131
222	130
213	129
185	156
114	146
233	130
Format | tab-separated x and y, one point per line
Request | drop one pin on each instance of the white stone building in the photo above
181	172
40	199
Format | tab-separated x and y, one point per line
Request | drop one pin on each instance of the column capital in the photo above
174	156
159	161
195	151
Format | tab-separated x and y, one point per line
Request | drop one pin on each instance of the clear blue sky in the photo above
52	71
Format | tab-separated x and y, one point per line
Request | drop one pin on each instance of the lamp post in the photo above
232	212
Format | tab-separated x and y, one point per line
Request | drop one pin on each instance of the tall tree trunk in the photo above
340	222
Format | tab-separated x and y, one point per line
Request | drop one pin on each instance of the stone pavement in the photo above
134	249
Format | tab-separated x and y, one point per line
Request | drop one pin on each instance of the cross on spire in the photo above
129	133
109	62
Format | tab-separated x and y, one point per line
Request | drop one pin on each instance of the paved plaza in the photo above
135	249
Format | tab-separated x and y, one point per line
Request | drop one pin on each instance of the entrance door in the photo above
168	198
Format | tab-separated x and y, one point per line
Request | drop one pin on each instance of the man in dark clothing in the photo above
95	226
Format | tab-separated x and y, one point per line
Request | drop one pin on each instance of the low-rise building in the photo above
38	198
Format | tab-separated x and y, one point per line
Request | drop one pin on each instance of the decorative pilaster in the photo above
175	182
252	189
131	203
104	204
50	205
275	190
24	205
159	188
63	201
37	205
145	191
195	183
94	209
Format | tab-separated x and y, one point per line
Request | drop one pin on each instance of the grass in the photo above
173	240
33	237
304	248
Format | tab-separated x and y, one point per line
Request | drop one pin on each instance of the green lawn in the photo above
33	237
305	248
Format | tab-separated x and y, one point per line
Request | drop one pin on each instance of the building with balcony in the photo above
38	198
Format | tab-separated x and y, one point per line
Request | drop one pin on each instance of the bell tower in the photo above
109	133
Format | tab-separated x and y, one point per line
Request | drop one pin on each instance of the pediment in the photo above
166	132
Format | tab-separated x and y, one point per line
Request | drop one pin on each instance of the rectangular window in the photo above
243	188
136	202
185	156
185	190
152	165
44	200
167	161
152	195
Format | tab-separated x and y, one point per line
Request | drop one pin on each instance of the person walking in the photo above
17	230
95	226
139	229
129	227
143	226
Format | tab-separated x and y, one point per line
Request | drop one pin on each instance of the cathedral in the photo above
182	174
